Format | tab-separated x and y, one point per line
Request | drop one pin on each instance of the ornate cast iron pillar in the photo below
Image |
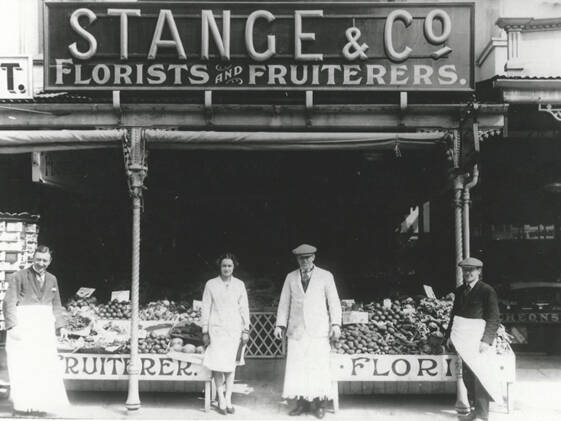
135	154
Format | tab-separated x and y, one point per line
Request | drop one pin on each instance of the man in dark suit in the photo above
32	311
475	300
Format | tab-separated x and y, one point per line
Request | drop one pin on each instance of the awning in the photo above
166	139
24	141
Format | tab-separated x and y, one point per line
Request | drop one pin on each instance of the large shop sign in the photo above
258	45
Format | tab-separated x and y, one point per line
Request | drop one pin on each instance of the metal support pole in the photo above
462	402
135	161
467	203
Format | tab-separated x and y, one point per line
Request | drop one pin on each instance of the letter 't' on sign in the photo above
124	25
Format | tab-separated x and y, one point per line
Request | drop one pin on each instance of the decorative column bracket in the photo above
553	110
136	161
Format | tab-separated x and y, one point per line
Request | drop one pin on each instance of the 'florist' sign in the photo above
258	45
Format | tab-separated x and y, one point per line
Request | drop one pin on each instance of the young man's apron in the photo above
35	372
466	336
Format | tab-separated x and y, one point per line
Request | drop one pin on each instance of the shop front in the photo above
250	128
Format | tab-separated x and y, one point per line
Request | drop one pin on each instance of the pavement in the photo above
537	398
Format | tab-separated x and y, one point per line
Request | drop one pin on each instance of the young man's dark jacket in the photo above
479	303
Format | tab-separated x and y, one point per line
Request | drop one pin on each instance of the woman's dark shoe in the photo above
230	409
320	412
221	411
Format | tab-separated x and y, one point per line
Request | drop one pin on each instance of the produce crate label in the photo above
354	317
429	291
84	292
367	367
124	295
115	367
14	226
387	303
197	305
31	228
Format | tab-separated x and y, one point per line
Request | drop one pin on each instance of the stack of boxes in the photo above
18	241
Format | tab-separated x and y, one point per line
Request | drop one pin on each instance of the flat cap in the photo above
304	249
471	262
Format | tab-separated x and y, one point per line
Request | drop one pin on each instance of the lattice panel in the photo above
262	343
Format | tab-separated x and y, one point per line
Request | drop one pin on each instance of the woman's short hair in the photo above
228	255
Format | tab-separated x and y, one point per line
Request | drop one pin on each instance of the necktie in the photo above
467	289
305	280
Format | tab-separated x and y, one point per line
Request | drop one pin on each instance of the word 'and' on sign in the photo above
258	45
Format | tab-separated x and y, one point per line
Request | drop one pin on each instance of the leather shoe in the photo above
230	409
301	408
220	410
320	412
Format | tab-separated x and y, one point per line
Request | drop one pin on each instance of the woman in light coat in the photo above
225	324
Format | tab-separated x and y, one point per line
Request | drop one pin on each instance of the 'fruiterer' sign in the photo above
258	45
115	367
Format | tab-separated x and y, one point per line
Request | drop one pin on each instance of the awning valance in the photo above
167	139
24	141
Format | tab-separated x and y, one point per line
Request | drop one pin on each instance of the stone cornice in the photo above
529	24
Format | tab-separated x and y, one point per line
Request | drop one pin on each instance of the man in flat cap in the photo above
472	330
310	313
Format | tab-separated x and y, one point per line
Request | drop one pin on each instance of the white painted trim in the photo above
494	42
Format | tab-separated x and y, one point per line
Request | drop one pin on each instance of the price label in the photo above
387	303
197	305
85	292
429	291
348	302
121	295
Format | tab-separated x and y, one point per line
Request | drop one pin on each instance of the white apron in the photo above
466	336
35	372
307	373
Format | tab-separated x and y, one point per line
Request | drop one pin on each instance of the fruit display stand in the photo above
419	374
97	369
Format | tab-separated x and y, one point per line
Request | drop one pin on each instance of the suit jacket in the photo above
313	311
23	290
480	303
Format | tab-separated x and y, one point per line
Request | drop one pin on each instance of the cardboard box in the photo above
355	317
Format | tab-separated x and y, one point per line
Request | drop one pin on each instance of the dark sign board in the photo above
529	317
258	45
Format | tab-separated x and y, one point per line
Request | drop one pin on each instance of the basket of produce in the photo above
188	332
78	325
